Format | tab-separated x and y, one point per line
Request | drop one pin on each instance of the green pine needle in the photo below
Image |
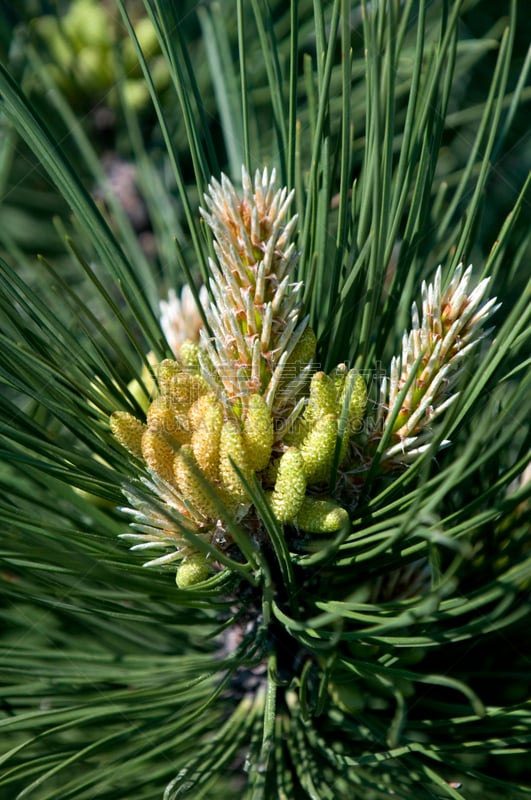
389	657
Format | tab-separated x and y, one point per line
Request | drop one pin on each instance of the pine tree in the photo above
265	482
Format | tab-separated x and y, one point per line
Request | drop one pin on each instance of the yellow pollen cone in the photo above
128	431
290	486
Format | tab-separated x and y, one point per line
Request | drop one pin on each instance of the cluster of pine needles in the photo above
265	483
